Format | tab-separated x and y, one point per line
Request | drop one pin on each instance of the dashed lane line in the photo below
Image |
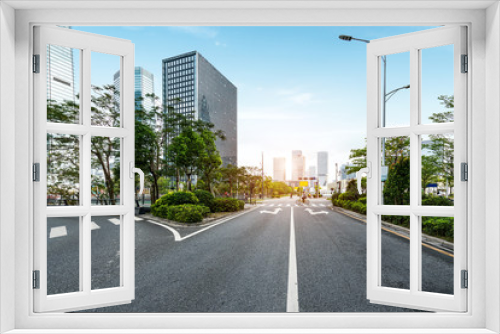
59	231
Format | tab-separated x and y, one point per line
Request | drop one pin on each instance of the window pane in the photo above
106	85
63	84
397	90
395	244
105	252
105	164
63	255
63	169
437	254
395	170
437	169
437	85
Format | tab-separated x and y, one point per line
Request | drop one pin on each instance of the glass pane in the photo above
395	99
63	169
437	254
437	169
437	85
105	81
105	164
395	170
395	244
105	252
63	84
63	255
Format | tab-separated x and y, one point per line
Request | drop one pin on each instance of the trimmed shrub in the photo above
226	205
362	200
439	227
177	198
185	213
205	198
436	201
241	205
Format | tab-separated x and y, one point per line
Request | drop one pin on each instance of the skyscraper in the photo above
279	169
195	88
298	165
312	171
144	84
322	168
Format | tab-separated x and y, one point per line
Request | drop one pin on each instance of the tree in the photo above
231	174
188	151
211	162
358	160
429	170
397	186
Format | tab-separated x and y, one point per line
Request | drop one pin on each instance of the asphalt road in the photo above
244	264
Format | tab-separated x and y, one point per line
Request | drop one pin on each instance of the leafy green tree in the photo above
358	160
211	162
397	187
231	174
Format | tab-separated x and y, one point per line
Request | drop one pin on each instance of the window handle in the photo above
368	171
139	171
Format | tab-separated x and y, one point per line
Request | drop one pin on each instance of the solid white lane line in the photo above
94	226
292	296
59	231
115	221
177	236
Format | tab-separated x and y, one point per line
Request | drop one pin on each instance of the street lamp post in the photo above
387	96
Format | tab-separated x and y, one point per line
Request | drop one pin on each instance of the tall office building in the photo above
312	171
279	169
298	165
144	84
323	168
62	73
195	88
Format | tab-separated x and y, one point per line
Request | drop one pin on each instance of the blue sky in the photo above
298	87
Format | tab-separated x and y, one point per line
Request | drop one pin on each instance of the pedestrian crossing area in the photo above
62	231
283	205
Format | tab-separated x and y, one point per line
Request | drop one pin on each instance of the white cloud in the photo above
217	43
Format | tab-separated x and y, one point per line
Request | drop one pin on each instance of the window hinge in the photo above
464	171
465	64
36	63
36	279
36	172
465	279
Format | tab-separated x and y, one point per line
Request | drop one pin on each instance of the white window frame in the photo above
414	43
483	246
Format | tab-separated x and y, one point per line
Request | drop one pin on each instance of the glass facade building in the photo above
195	88
323	168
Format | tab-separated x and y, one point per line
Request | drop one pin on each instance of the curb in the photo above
441	245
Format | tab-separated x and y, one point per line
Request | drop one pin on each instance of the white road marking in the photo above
94	226
279	204
137	219
315	213
271	212
296	205
314	205
322	205
59	231
177	236
271	204
292	296
115	221
288	205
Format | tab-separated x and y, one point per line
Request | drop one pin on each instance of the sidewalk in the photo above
438	243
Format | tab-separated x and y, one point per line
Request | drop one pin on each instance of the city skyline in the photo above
290	96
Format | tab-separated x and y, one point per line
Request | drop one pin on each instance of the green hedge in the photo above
177	198
205	198
442	227
350	205
228	205
185	213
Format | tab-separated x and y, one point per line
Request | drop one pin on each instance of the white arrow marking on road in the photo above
316	213
59	231
115	221
275	211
